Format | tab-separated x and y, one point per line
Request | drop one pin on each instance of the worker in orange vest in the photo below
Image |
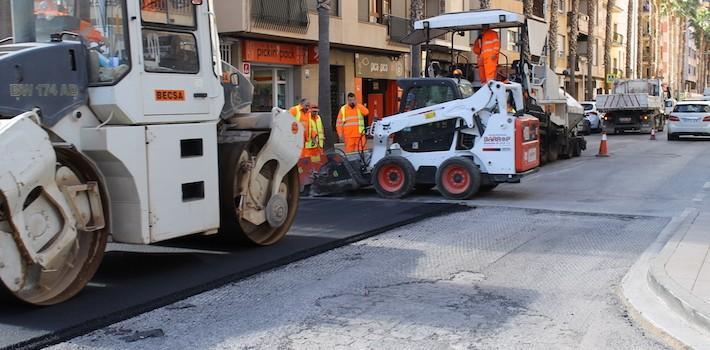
313	135
301	108
487	47
351	124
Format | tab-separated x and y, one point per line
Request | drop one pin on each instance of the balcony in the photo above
283	15
617	40
582	21
397	27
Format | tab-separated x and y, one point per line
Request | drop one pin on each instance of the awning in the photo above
462	21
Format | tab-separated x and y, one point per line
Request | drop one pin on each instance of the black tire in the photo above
577	149
458	178
393	177
487	188
233	229
552	152
587	127
569	151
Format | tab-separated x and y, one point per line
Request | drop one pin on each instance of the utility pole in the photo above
324	72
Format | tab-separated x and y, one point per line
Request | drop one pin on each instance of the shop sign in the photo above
313	56
268	52
378	66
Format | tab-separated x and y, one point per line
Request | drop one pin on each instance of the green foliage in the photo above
696	12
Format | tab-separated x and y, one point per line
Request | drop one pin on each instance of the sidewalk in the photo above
672	293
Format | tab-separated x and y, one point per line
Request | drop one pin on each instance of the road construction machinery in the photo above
558	112
460	145
634	105
118	118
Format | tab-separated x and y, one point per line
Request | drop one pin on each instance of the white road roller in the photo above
118	118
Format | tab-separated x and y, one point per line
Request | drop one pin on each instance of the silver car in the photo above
689	118
592	118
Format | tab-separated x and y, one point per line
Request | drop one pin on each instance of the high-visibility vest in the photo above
296	116
313	134
488	44
353	120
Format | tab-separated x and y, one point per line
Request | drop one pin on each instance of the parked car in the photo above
689	118
668	106
592	118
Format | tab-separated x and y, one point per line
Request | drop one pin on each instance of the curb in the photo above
680	300
645	301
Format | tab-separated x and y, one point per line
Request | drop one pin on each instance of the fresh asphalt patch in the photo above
133	281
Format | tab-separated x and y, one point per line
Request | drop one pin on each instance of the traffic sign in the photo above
246	68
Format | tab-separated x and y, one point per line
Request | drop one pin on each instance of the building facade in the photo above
275	43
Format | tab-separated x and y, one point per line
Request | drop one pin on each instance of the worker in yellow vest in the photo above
351	124
313	134
301	108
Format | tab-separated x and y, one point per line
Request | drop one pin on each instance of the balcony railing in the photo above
397	27
617	39
283	15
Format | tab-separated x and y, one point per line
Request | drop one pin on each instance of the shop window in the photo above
168	12
272	88
169	52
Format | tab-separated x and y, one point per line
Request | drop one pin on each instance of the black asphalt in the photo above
129	283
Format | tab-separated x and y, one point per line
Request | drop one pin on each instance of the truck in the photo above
634	105
118	118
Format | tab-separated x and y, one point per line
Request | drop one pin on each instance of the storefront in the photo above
376	83
271	68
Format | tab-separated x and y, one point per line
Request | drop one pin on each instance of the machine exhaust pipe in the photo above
23	21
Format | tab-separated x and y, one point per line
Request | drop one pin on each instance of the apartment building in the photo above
691	60
275	43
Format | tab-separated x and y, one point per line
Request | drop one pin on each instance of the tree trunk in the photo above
416	13
607	43
629	34
527	11
572	54
324	72
552	34
591	53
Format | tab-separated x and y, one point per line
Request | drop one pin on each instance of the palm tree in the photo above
324	71
592	11
552	34
416	12
572	57
607	41
629	34
525	40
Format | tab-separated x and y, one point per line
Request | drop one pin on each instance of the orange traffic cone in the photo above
653	134
603	151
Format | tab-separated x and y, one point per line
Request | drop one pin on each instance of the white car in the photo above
689	118
592	118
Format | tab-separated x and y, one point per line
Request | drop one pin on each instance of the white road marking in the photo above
707	186
699	197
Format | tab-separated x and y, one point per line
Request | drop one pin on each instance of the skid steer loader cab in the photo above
116	117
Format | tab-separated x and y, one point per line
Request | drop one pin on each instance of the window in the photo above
511	39
563	6
225	50
561	42
431	8
692	108
169	52
168	12
363	10
334	6
102	25
425	96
